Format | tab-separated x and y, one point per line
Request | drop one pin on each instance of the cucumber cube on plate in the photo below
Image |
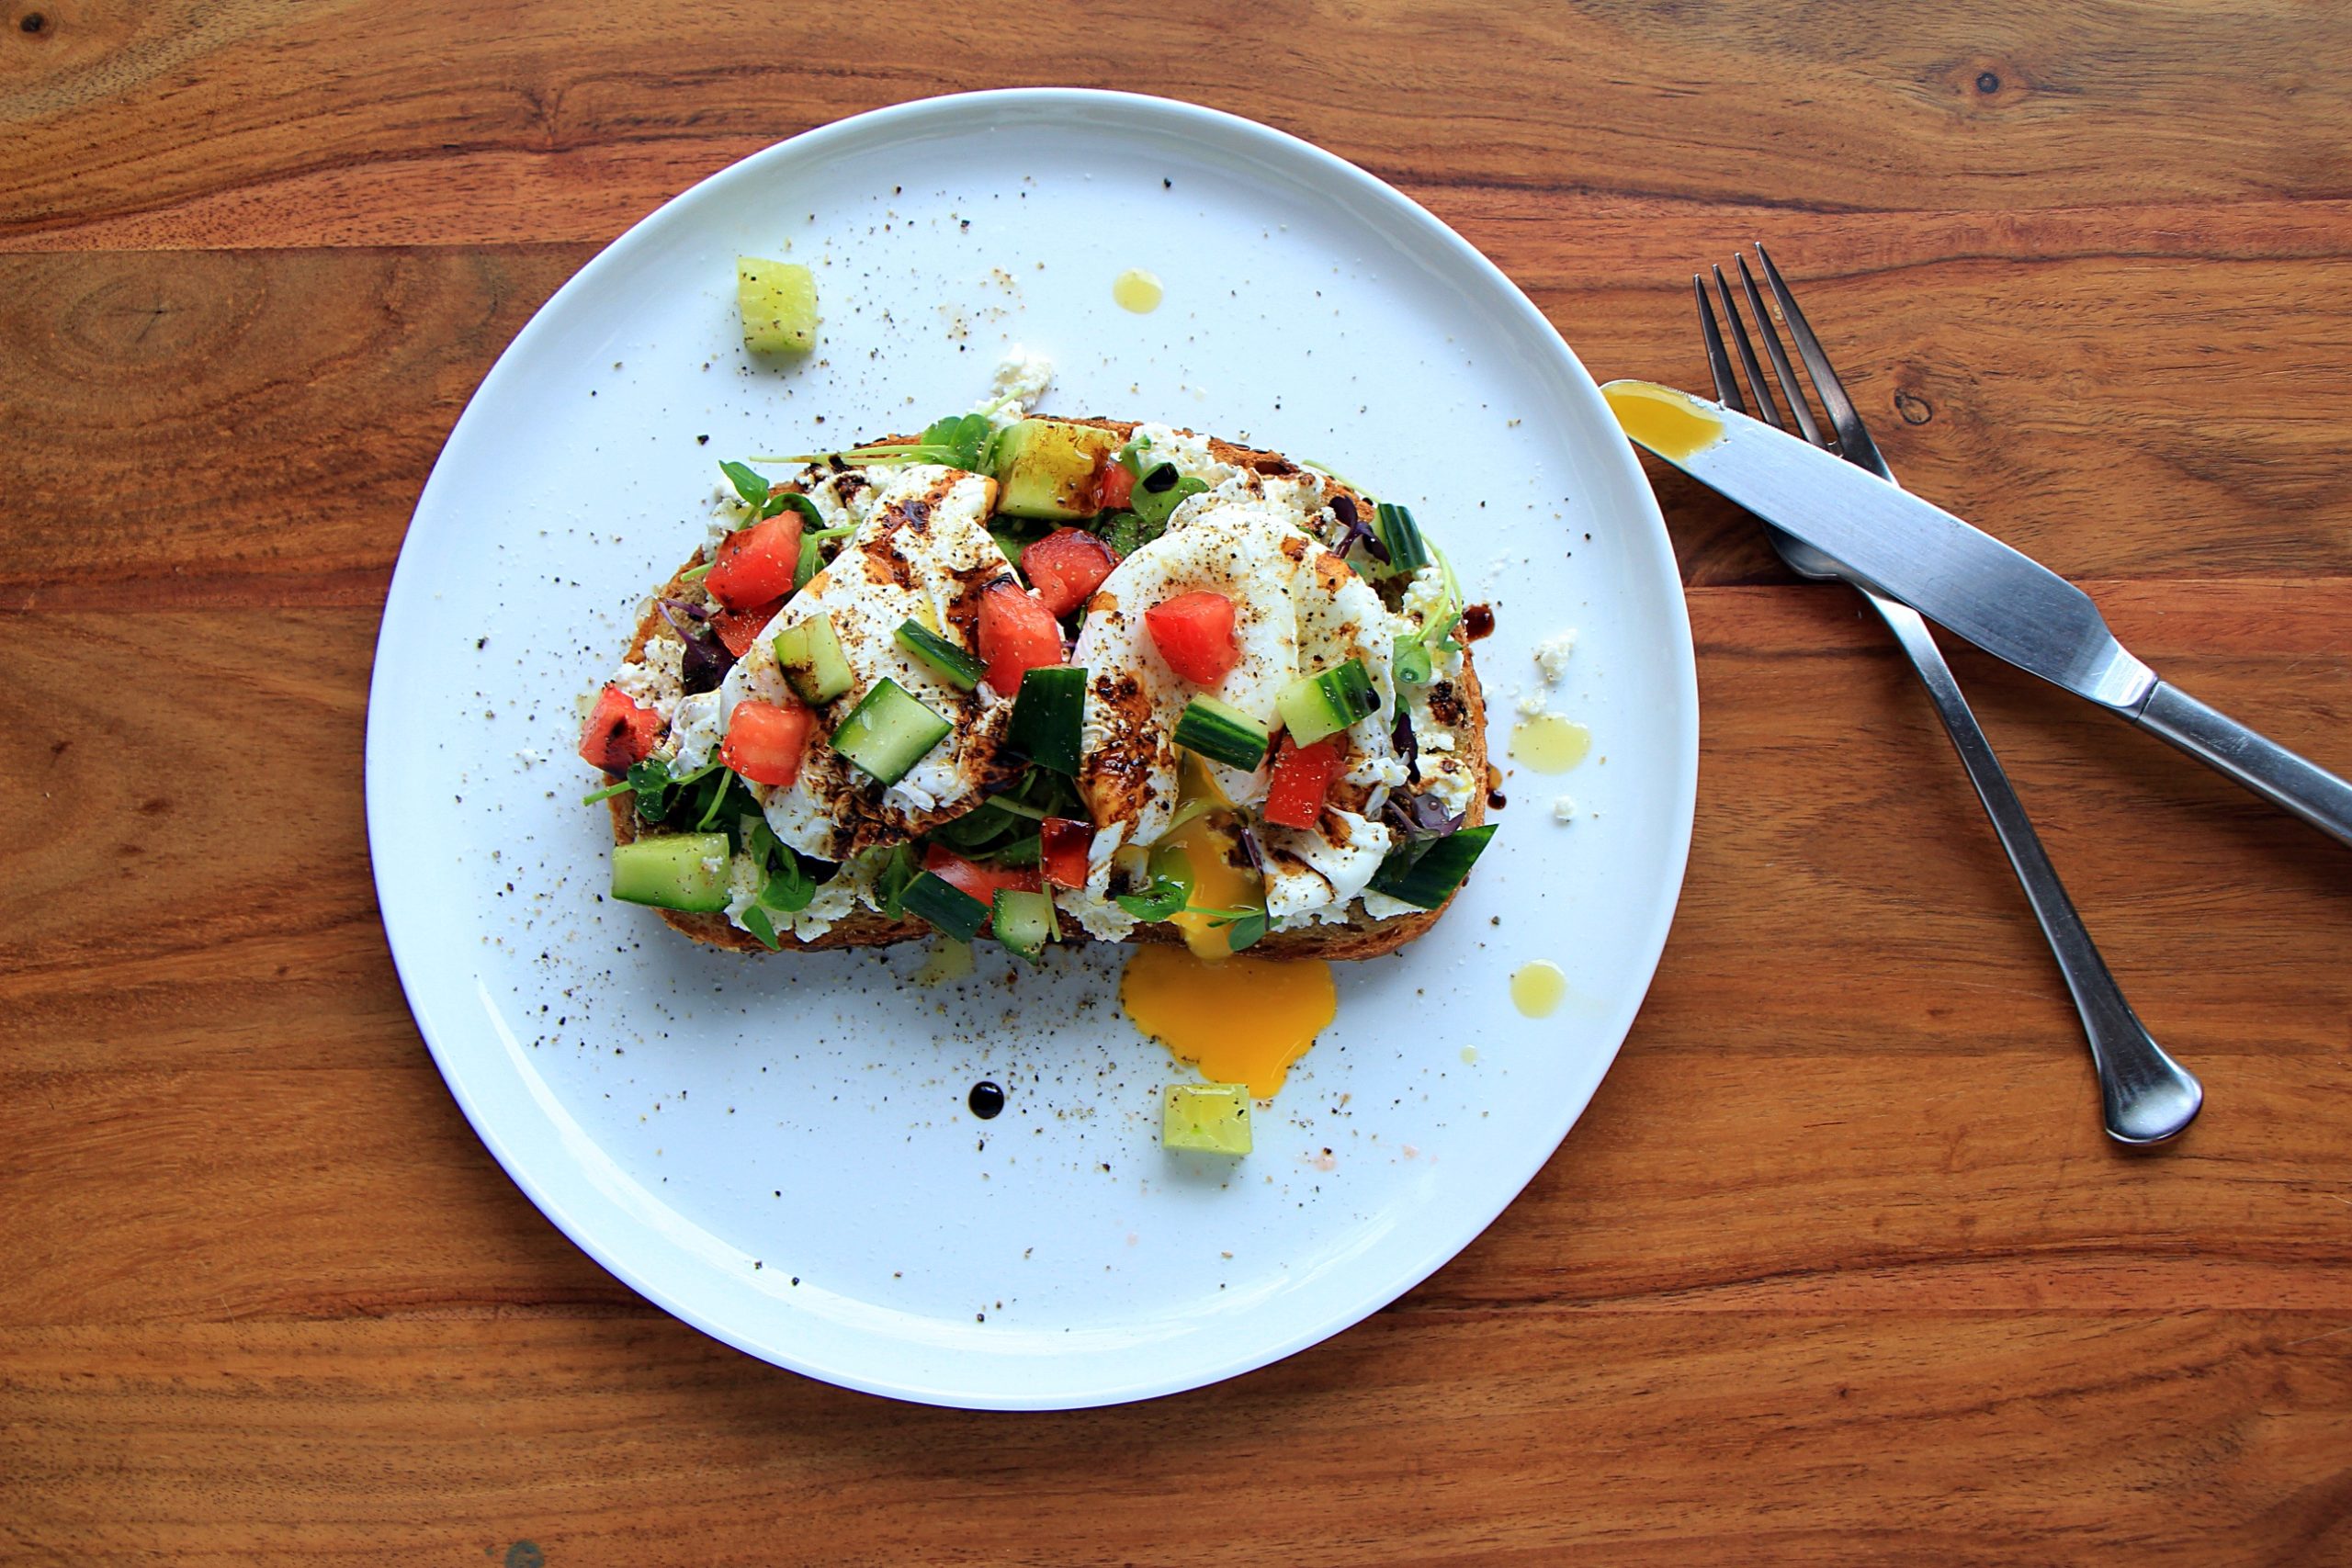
1206	1118
778	301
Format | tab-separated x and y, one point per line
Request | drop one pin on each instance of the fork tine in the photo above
1770	414
1853	436
1791	387
1718	362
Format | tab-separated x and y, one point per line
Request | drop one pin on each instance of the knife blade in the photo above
1963	579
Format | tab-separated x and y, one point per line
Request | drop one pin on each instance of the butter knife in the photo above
1963	579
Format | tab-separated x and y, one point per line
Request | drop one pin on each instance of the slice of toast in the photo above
1360	936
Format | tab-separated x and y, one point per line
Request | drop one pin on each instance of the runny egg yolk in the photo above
1217	883
1238	1019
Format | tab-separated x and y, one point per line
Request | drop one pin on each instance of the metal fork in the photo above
2147	1095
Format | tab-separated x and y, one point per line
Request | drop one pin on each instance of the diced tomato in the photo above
1017	634
1116	487
765	740
1194	633
982	882
754	565
738	629
1066	566
1301	781
618	732
1063	842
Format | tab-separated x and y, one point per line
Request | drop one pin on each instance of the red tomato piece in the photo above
755	565
1063	842
1117	487
1018	633
1066	566
982	882
1301	781
1194	633
738	629
765	741
618	732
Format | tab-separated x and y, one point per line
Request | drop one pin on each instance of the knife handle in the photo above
2264	766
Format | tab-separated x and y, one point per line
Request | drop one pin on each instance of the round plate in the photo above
778	1151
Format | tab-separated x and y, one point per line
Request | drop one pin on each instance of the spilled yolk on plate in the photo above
1238	1019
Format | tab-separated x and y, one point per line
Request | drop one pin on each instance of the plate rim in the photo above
1193	122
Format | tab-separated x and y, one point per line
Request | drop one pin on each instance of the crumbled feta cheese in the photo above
743	885
1189	453
1552	656
1532	705
1564	808
1448	778
1022	377
1426	598
834	899
1099	917
655	683
694	730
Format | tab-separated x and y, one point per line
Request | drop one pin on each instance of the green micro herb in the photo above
786	886
1002	830
1164	901
892	871
966	441
1128	532
1243	928
754	492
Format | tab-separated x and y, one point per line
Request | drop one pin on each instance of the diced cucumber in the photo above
1161	492
1327	701
778	301
1207	1118
951	663
946	905
811	657
1047	469
1025	922
673	871
889	732
1048	715
1222	733
1401	537
1425	874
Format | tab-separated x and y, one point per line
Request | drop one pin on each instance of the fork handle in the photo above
2147	1096
2264	766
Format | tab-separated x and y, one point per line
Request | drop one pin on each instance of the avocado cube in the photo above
1206	1118
778	301
1046	468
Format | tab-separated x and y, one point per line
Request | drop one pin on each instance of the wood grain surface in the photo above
1838	1269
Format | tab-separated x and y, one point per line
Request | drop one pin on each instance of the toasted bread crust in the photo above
1360	937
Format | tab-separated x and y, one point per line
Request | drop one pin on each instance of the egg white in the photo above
922	552
1297	609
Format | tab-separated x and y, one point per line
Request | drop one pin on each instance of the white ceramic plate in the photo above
779	1151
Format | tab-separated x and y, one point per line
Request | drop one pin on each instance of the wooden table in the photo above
1838	1268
